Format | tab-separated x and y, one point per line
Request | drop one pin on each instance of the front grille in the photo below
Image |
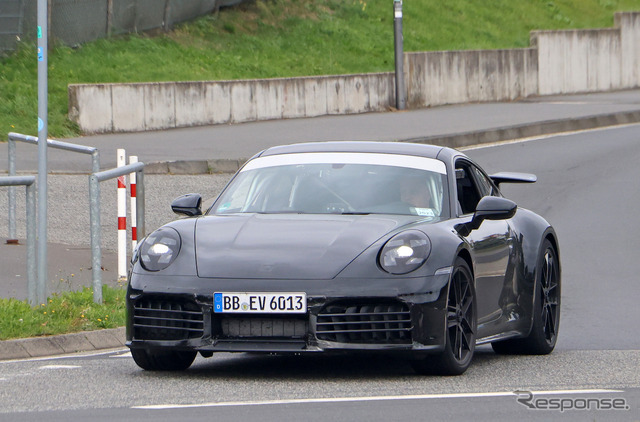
258	327
161	319
376	323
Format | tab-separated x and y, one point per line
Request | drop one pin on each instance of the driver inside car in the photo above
415	192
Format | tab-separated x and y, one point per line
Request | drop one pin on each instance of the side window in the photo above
468	193
484	185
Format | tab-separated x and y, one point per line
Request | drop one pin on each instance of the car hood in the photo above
293	246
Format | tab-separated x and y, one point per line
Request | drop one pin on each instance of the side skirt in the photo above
501	336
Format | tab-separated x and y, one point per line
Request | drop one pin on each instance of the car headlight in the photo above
159	249
405	252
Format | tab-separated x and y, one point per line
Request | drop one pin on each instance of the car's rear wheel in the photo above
159	360
546	310
460	336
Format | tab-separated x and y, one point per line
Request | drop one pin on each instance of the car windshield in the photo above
338	183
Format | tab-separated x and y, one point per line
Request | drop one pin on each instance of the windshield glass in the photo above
338	183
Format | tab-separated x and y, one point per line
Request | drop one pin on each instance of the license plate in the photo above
276	303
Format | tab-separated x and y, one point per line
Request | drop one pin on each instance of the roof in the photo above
405	148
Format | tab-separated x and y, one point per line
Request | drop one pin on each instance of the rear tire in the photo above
156	360
546	310
460	336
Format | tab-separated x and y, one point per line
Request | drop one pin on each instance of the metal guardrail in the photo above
94	198
39	295
37	292
18	137
42	237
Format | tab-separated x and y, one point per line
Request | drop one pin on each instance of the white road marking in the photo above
540	137
60	367
67	356
122	355
372	398
572	102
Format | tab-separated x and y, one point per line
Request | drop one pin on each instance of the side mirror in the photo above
489	208
189	205
493	208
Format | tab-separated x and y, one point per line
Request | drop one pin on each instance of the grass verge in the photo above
67	312
282	38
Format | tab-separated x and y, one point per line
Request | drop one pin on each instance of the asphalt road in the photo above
266	388
587	189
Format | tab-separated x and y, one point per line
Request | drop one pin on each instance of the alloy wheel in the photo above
460	316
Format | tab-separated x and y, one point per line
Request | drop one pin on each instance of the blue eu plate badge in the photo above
217	302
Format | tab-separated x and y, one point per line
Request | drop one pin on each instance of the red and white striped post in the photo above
122	217
132	188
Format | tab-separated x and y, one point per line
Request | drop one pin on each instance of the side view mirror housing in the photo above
489	208
189	205
494	208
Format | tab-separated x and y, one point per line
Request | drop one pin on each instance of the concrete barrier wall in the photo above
629	25
578	61
558	62
589	60
450	77
100	108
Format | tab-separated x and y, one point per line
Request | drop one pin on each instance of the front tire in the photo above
156	360
460	336
546	309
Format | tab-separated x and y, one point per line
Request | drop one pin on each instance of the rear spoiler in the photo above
509	177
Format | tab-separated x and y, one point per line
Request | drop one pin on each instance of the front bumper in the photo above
398	319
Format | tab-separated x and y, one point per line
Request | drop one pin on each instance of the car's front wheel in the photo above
160	360
546	310
460	337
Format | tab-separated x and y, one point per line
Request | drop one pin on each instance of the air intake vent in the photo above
383	323
257	327
158	319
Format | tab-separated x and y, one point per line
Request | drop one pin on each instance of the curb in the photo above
527	130
456	140
62	344
221	165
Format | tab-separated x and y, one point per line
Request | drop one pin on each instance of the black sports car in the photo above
348	246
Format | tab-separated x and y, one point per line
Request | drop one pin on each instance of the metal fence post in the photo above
399	54
43	18
140	207
96	254
36	296
166	22
94	199
13	238
109	18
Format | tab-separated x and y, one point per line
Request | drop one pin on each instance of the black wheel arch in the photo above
534	231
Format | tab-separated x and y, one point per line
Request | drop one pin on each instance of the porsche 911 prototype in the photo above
348	247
